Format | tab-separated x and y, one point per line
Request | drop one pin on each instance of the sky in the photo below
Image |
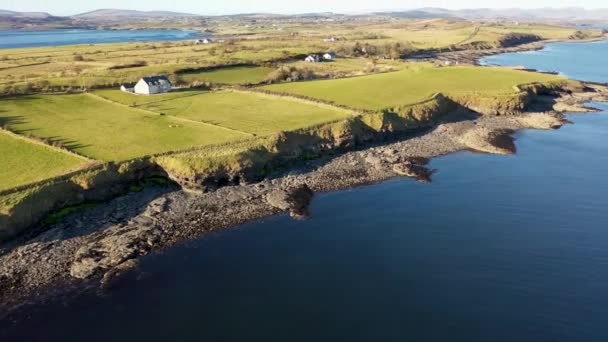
212	7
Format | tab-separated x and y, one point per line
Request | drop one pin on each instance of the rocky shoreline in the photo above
473	56
95	247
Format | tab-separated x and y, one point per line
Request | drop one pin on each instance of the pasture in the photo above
230	75
248	112
102	130
411	85
85	66
26	162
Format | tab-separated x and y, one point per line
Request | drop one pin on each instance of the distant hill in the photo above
118	17
562	14
118	13
33	15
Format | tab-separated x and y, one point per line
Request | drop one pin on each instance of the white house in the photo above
312	59
153	85
204	41
330	39
329	56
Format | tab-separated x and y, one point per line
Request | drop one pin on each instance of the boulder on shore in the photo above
296	199
113	247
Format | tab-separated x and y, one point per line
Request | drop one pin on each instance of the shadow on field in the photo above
7	121
65	143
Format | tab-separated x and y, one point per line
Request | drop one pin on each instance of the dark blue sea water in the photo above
23	38
495	249
582	61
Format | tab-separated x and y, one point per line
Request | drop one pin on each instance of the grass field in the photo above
231	75
27	162
248	112
134	100
84	66
105	131
411	85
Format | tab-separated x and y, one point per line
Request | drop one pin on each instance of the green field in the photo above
104	65
230	75
27	162
412	85
243	111
102	130
134	100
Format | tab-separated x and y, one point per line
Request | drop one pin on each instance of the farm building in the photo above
204	41
312	59
153	85
128	87
330	39
329	56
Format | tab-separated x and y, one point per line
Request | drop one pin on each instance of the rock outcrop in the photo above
490	141
295	199
112	247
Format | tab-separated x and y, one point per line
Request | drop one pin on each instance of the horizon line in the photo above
358	12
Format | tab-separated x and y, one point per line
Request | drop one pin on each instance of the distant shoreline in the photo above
105	36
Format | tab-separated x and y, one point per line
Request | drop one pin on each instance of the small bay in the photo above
39	38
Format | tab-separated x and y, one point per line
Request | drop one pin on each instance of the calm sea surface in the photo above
495	249
582	61
22	38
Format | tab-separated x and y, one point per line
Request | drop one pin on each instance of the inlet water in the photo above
581	61
34	38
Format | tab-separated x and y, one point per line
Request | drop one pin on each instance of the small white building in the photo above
312	59
330	39
127	88
329	56
204	41
153	85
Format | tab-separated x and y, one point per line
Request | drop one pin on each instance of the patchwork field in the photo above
102	130
411	85
27	162
243	111
271	43
232	75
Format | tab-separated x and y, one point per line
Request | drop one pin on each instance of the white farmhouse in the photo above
329	56
153	85
312	59
204	41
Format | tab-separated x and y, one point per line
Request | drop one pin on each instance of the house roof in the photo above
156	80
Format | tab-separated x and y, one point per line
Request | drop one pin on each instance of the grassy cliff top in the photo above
26	162
412	84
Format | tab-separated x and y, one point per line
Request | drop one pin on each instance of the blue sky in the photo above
63	7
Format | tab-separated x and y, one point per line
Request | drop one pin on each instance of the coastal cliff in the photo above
251	160
111	237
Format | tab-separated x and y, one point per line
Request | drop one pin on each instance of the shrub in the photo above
290	73
579	35
390	50
135	64
513	39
